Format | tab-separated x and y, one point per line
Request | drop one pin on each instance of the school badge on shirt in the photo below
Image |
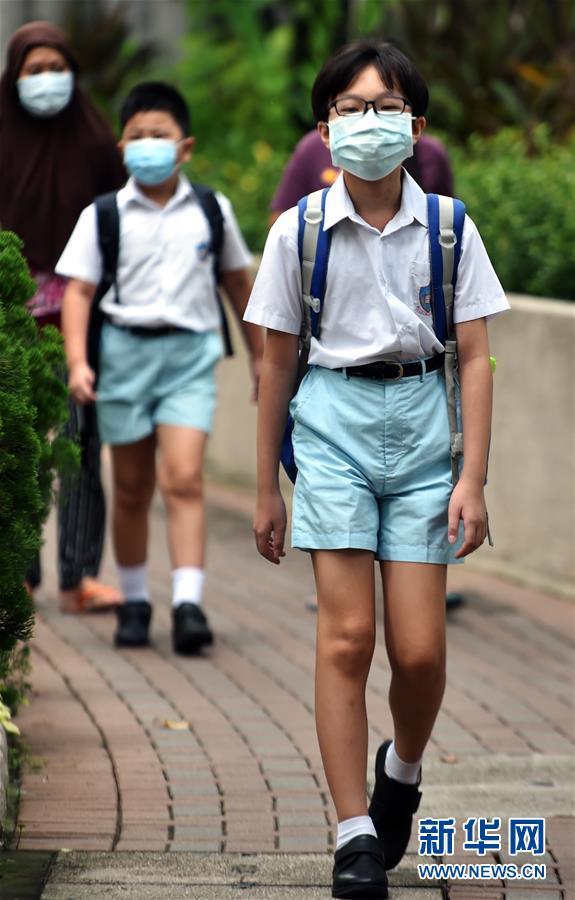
424	307
203	250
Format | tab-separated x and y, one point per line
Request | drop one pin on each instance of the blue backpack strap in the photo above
458	223
313	250
446	218
436	266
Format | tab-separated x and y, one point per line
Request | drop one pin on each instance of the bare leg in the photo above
345	644
180	475
414	615
134	481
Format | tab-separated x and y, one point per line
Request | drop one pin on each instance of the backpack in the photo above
108	226
446	218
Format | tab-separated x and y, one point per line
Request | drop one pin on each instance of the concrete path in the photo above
139	757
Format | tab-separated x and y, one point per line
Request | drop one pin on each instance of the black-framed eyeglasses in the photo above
385	104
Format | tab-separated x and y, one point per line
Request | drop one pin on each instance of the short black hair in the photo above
351	59
156	95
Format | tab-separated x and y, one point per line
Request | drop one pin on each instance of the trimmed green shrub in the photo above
33	407
238	88
519	191
249	184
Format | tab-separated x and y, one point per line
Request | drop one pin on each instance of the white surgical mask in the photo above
46	94
370	146
151	160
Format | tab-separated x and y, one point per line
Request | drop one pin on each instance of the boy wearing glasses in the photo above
159	348
373	453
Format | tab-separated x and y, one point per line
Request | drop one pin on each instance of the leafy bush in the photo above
238	85
33	406
15	669
110	57
517	192
522	74
249	183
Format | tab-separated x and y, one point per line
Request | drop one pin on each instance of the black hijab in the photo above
50	168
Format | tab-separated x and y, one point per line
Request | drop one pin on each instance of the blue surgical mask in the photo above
151	160
370	146
46	94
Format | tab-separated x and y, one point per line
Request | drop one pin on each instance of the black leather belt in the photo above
394	371
140	331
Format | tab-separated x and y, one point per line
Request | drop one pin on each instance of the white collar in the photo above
339	205
131	193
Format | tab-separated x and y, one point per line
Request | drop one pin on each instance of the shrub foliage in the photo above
516	191
33	407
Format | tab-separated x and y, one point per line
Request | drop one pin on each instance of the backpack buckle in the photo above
447	238
313	216
313	302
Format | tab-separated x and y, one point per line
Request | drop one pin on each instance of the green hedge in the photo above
248	180
521	195
33	407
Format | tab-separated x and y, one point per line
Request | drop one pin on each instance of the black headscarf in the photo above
50	168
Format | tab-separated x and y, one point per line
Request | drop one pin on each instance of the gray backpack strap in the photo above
447	242
311	221
310	241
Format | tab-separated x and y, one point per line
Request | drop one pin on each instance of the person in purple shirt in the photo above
310	168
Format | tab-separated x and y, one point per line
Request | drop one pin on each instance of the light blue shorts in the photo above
150	381
374	468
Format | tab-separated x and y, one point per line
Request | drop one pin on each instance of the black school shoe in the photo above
191	630
133	623
359	870
391	809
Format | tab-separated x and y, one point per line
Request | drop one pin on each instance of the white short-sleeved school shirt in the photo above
376	303
165	274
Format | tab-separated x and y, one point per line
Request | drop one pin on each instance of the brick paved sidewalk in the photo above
145	751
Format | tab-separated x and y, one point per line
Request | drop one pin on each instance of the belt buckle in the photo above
399	375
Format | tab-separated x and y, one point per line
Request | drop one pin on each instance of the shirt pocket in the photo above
420	273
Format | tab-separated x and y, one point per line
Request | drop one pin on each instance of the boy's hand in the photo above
81	381
467	503
270	521
255	368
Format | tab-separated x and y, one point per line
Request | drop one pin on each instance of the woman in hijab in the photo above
56	154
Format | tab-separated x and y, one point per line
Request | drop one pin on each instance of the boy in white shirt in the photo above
159	347
372	444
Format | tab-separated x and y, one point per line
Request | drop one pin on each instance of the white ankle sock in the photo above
187	585
352	828
134	582
396	768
